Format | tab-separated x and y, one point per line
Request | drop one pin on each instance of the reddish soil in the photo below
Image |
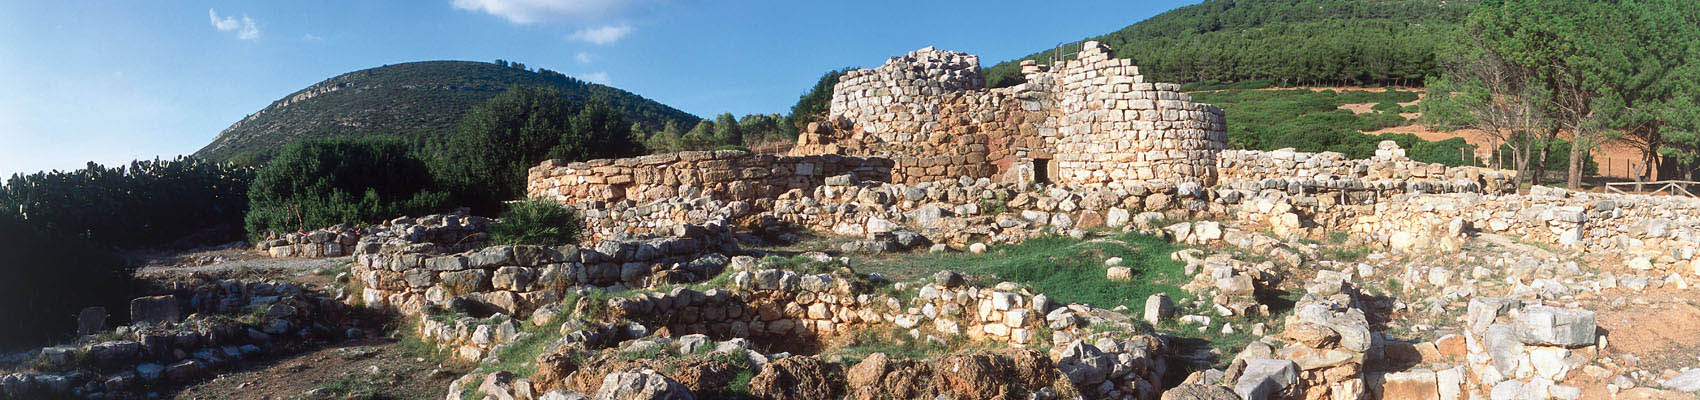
378	367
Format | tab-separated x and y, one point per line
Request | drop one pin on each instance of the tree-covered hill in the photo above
419	102
1285	42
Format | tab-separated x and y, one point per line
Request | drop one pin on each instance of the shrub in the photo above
319	183
538	222
184	202
47	277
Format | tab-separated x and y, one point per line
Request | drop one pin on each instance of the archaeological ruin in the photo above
1327	277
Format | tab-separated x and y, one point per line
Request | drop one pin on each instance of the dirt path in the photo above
373	369
377	368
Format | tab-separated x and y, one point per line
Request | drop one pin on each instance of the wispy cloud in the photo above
311	37
584	58
530	11
602	35
597	77
245	28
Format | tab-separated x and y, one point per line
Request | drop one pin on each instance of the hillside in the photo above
419	101
1286	42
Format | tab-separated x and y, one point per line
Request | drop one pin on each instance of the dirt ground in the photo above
373	369
377	368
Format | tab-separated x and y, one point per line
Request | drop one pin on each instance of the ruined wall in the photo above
1093	120
786	305
1329	171
1648	232
515	280
226	322
1115	127
928	111
439	233
719	175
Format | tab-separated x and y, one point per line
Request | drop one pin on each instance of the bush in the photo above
538	222
318	183
47	277
183	202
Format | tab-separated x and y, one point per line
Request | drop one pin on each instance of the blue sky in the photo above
112	81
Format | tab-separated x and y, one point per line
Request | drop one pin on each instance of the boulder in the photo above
1264	377
1687	381
1158	307
1200	392
797	378
1413	384
1552	326
154	310
645	384
91	320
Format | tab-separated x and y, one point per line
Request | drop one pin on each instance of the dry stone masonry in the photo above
445	233
1090	120
161	349
515	280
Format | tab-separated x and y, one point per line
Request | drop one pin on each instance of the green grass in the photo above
1066	269
897	344
1312	121
361	386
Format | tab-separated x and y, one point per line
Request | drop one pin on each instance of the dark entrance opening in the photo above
1042	170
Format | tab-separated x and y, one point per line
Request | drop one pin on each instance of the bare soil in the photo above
377	368
373	369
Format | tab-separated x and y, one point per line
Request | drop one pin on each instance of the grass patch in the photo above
897	344
1066	269
1312	121
360	386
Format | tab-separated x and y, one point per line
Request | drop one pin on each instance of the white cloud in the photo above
245	28
602	35
597	77
311	37
529	11
584	58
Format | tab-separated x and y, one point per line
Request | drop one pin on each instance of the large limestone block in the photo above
1552	326
1420	384
1263	377
154	310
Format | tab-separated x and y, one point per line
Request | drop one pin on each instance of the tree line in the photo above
1535	73
1288	42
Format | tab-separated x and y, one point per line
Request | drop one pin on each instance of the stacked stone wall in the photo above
1648	232
1115	127
1093	120
1329	171
440	233
788	306
516	280
720	175
130	360
928	111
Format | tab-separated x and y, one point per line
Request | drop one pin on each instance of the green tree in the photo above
813	105
183	202
727	131
1590	83
323	182
486	159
